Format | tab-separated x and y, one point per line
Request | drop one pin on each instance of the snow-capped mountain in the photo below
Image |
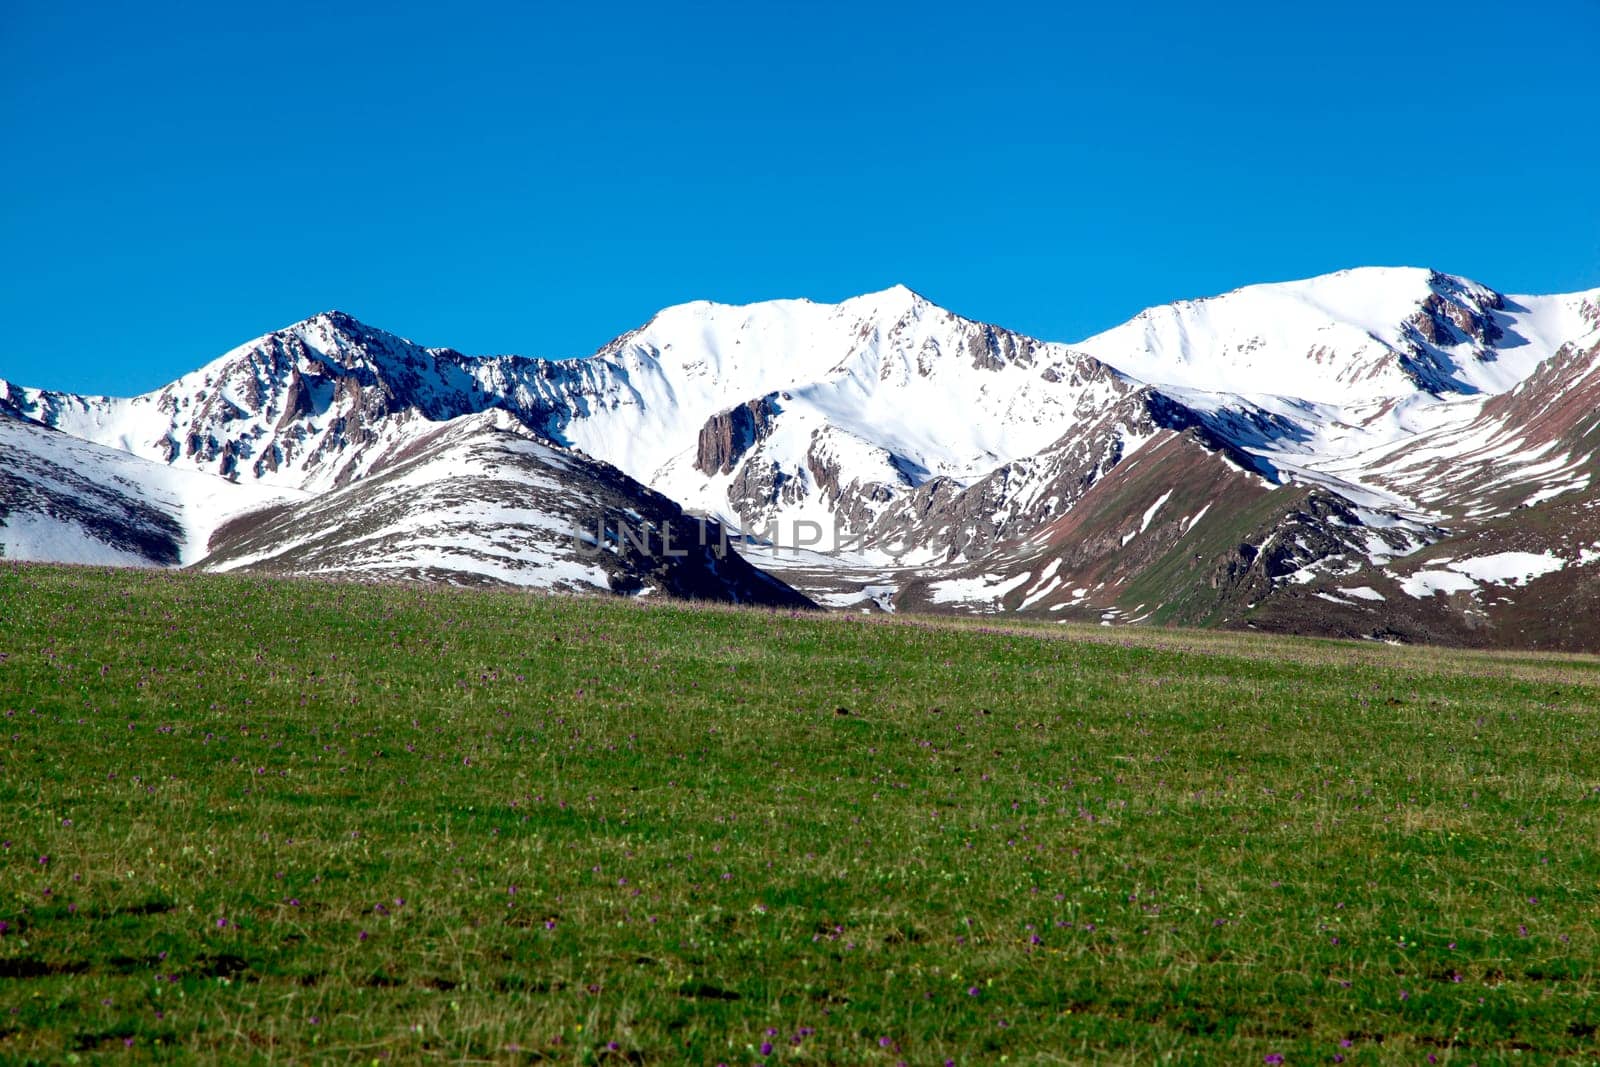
1447	410
1208	461
848	408
1362	336
309	407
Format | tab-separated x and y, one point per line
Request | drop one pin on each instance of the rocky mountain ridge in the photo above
1236	460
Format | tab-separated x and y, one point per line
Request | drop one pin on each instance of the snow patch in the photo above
1509	568
1427	583
1149	512
987	588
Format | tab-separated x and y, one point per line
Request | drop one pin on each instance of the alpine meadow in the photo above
277	820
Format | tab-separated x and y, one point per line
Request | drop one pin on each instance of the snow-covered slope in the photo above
1355	337
948	395
1534	442
72	501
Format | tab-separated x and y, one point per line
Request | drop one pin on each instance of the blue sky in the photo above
539	178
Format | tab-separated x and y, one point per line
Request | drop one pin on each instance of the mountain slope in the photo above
69	500
1534	442
1530	579
478	500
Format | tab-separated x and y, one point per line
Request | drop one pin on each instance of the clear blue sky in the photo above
539	178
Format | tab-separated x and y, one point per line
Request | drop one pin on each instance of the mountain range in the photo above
1387	453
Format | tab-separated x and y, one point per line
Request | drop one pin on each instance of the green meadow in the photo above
270	821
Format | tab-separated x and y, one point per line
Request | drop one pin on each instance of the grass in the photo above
288	821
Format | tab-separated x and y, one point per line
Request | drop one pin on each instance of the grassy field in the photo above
288	821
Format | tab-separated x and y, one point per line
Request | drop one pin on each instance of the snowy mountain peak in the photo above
1355	336
1457	287
334	319
1373	298
885	306
896	301
346	341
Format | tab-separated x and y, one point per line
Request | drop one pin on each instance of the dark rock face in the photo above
1451	315
14	403
297	400
728	435
760	485
992	348
1322	527
855	501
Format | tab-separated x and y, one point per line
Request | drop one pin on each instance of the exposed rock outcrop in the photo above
728	435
